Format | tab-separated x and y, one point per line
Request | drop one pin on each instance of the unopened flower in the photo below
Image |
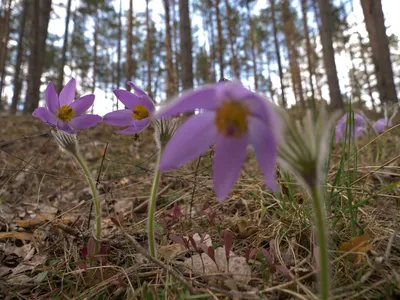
232	117
358	128
382	124
138	113
63	112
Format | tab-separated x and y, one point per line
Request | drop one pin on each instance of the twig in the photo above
194	187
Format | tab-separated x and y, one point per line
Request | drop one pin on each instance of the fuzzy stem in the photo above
322	239
95	195
152	210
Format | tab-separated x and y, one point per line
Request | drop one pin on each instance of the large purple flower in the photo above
359	126
138	113
63	112
232	117
381	125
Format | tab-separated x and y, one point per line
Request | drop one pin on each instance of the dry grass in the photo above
37	179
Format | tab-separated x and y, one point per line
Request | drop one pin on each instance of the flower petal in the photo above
45	115
52	98
229	157
264	144
130	100
82	104
138	91
190	140
136	127
203	98
67	94
65	127
84	121
121	117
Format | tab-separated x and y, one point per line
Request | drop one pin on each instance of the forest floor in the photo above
45	223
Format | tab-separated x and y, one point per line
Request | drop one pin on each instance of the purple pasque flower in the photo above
359	126
63	112
231	117
138	113
381	125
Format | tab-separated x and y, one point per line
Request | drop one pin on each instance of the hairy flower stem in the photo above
96	200
322	239
152	210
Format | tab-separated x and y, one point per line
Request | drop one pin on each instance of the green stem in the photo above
96	200
322	239
152	211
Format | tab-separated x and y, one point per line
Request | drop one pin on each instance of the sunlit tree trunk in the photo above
4	37
252	45
118	79
175	39
186	45
234	62
128	64
220	40
375	23
325	29
149	58
367	76
168	57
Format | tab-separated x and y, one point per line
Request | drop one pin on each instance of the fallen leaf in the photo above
24	236
360	244
169	252
42	219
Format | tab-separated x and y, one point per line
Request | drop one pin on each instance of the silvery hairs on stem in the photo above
67	142
164	129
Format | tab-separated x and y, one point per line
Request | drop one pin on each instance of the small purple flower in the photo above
63	112
232	117
138	113
381	125
358	129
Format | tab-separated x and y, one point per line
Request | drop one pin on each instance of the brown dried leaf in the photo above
24	236
360	244
169	252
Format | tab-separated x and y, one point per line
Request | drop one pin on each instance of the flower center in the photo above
66	113
231	119
140	112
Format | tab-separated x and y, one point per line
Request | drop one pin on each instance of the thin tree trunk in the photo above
235	66
212	73
252	46
128	64
355	87
220	41
325	30
4	47
186	44
277	51
20	55
64	49
308	49
175	37
366	73
148	51
95	40
118	80
375	23
168	57
40	22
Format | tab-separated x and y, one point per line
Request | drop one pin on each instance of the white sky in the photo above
103	105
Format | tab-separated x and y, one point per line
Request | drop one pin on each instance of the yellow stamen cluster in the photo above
140	112
65	113
231	119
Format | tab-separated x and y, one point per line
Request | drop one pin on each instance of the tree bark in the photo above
64	49
278	51
128	64
366	73
40	22
186	45
148	51
4	47
375	24
170	91
220	40
17	82
252	46
212	72
325	30
177	77
234	63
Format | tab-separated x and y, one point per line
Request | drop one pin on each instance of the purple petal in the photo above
65	127
191	139
130	100
138	91
380	125
85	121
45	115
121	117
264	143
229	157
136	127
82	104
67	94
52	98
203	98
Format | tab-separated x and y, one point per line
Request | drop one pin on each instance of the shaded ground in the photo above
45	222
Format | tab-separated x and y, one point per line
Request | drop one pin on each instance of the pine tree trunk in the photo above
252	46
175	34
278	52
40	22
220	40
128	64
325	30
118	79
213	51
234	62
375	23
168	57
17	82
308	49
355	85
64	49
148	51
95	42
366	73
186	45
4	48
